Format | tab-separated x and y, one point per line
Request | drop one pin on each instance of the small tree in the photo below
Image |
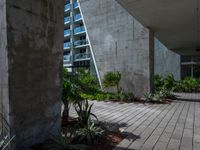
71	91
74	85
112	79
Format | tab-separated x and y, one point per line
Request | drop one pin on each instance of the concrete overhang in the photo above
176	23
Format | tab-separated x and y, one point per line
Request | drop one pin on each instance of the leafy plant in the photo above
159	96
83	109
158	82
88	82
64	143
112	79
90	134
168	83
148	97
188	84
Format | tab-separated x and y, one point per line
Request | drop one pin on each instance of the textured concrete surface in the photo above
31	66
174	126
166	61
169	22
120	43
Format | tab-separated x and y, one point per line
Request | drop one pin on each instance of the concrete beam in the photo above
175	23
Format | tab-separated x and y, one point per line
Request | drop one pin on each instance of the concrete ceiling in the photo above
176	23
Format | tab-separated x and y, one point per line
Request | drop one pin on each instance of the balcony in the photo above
67	7
67	45
75	5
67	20
67	58
78	30
81	56
77	17
67	33
81	43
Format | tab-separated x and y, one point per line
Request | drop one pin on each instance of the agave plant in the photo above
90	134
64	143
83	109
148	96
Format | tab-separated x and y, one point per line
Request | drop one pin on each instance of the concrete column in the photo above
151	60
31	43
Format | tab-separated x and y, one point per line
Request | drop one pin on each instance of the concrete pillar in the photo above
151	60
31	43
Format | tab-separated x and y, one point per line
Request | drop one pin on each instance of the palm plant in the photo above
71	91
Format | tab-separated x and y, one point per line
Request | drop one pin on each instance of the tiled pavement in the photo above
154	126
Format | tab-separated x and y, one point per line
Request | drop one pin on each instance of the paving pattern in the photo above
174	126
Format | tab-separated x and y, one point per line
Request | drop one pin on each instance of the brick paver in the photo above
174	126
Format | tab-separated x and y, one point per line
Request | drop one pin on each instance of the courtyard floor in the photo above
171	126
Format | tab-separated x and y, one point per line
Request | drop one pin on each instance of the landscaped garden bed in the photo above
85	131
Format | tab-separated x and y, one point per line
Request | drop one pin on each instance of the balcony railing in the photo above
67	19
67	32
77	17
67	58
67	7
79	29
80	42
67	45
75	4
81	56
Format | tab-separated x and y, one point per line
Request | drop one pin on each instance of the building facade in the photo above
76	46
110	39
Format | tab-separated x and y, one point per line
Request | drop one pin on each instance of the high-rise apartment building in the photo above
76	45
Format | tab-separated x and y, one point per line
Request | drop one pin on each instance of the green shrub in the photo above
95	96
158	82
112	79
90	134
188	84
168	83
88	82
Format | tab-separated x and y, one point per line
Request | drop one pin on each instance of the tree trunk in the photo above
66	111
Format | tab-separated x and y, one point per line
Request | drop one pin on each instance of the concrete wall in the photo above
31	68
4	100
166	61
120	43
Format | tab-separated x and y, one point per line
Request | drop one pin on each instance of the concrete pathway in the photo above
174	126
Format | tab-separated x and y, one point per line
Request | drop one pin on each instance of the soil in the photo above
110	141
140	100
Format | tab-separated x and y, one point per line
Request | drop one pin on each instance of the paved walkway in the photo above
154	126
